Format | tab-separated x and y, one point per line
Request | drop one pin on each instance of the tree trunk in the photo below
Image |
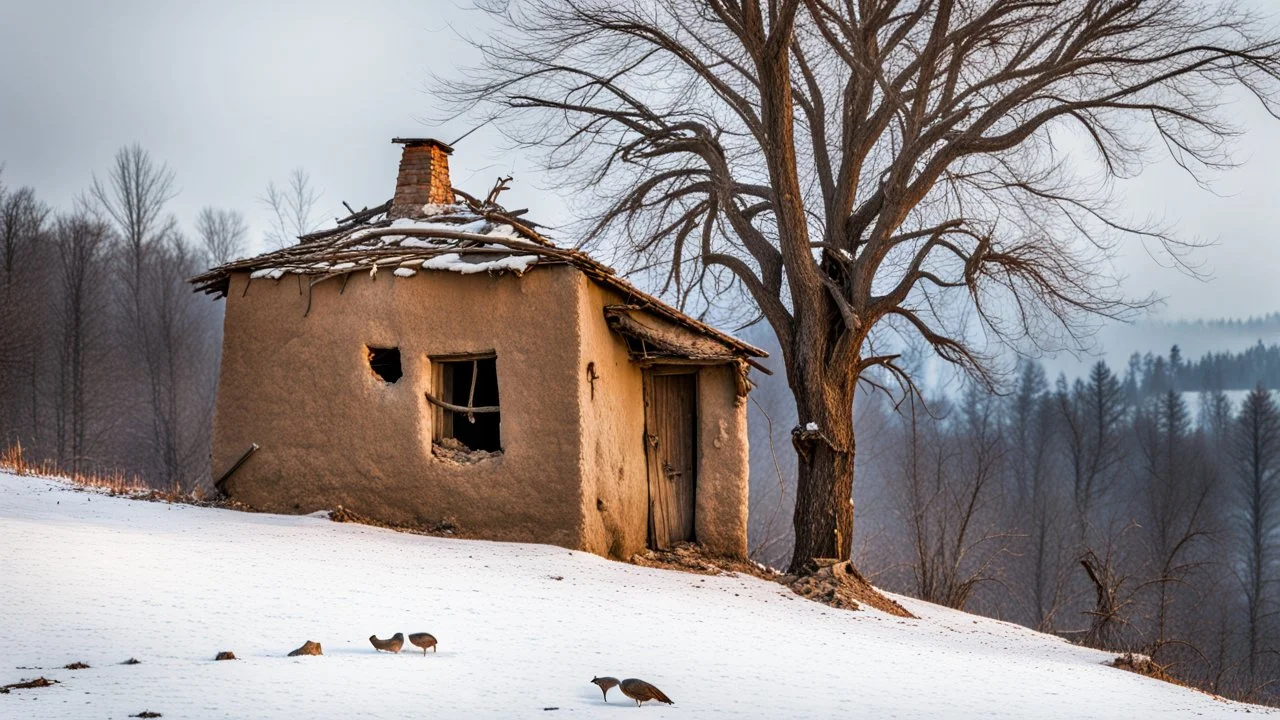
1105	620
824	479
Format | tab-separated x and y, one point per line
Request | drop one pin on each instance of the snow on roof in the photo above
456	238
466	237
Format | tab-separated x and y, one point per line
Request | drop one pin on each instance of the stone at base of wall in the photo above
692	557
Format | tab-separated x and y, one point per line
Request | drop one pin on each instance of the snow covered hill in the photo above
522	629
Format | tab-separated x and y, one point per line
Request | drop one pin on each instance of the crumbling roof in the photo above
469	236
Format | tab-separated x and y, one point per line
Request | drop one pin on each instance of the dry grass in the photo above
13	460
1143	665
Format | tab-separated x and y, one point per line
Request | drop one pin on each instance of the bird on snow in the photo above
604	683
641	691
424	641
391	644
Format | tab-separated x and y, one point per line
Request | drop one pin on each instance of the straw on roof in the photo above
466	237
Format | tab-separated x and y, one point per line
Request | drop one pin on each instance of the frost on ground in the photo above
98	579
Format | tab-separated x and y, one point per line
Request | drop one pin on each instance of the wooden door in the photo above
671	450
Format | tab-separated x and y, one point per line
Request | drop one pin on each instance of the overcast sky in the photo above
233	94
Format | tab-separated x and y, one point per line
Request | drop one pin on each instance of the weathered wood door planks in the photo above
671	449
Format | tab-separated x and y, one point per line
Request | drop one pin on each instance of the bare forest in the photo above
1122	510
109	363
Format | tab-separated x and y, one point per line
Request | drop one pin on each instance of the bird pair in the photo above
395	642
637	690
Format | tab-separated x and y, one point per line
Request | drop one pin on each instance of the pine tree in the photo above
1256	452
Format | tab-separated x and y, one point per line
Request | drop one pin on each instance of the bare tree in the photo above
293	209
1093	413
950	480
222	234
1108	617
1177	494
1214	412
22	219
868	169
22	227
150	357
1039	508
133	196
82	246
180	386
1256	452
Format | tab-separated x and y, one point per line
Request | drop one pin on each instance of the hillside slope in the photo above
87	577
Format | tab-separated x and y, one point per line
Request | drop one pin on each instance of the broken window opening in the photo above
466	400
385	363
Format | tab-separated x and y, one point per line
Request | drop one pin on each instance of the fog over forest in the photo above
1115	342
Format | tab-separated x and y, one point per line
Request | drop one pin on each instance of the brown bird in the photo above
604	683
424	641
641	691
391	644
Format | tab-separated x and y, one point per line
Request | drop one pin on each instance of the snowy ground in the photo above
86	577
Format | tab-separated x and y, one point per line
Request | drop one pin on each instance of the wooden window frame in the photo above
443	411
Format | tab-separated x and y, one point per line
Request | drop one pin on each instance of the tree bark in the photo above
823	522
823	518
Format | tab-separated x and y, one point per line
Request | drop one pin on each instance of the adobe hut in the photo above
437	360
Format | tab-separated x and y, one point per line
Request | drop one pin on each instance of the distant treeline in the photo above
1261	325
1150	374
108	361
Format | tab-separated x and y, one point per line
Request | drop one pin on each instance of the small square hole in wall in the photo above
385	363
469	412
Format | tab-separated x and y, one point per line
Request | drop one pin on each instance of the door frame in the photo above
649	441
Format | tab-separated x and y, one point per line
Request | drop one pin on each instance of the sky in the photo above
234	94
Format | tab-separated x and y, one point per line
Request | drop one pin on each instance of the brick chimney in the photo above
423	178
